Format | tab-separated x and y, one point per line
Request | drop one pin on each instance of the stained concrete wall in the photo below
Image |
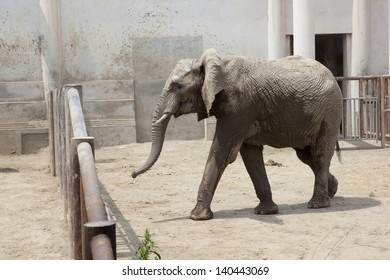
22	100
153	60
122	51
139	42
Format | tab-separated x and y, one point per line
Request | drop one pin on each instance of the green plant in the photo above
147	248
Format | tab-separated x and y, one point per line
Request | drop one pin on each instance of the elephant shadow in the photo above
338	204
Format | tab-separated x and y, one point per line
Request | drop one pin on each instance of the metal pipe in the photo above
93	201
76	113
101	248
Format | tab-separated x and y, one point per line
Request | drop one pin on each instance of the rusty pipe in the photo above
93	201
101	247
76	113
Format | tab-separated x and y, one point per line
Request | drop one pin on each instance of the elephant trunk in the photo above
160	123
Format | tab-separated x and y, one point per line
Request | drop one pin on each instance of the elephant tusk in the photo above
163	118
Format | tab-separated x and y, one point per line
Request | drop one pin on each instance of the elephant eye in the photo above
176	86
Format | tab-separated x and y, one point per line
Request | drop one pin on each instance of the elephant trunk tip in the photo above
137	172
134	174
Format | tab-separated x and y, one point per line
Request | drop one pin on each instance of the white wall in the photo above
331	16
20	41
97	34
21	87
379	59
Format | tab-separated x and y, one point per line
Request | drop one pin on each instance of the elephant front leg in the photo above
221	154
207	187
254	163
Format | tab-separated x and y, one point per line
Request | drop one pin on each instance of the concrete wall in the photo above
331	16
22	100
379	59
122	51
138	43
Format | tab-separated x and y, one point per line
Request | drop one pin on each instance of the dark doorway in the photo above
329	51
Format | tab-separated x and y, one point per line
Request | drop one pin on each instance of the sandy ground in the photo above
32	219
356	226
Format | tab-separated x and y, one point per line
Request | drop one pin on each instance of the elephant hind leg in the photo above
332	185
254	163
305	155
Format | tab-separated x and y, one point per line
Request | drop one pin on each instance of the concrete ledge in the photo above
110	122
21	91
111	132
108	89
23	124
42	124
22	111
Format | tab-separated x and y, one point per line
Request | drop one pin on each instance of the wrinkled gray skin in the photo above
290	102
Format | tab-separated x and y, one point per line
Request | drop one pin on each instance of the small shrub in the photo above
147	248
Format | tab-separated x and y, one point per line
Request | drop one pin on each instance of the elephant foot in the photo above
332	186
266	208
319	201
201	213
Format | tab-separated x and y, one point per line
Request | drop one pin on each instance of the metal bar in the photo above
100	240
101	248
93	202
357	78
362	91
376	110
60	141
383	94
342	122
76	113
73	161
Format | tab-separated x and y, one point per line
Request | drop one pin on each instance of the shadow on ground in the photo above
338	204
127	240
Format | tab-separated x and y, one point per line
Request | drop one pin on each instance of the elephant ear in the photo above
211	63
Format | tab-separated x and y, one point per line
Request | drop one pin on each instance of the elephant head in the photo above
190	88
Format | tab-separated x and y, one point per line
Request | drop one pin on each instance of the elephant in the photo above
289	102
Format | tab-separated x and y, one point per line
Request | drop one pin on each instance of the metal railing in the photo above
92	233
365	108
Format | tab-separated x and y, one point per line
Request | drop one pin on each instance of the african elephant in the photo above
291	102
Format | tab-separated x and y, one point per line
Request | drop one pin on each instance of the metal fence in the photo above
365	108
92	233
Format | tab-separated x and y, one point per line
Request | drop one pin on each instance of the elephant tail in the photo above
338	151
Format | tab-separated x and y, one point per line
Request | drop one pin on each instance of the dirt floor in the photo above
32	219
354	227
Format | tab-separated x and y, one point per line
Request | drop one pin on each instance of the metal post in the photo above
50	118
